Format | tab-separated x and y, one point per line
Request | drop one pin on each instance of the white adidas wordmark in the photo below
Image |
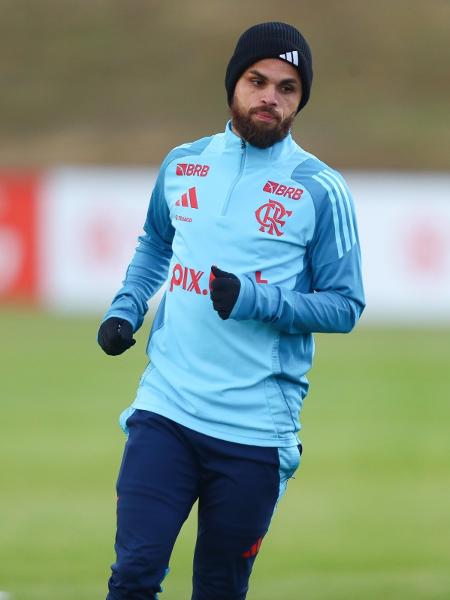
291	57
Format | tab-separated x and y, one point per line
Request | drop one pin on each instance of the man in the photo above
257	239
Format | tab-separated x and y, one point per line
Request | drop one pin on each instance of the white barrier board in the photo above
404	224
90	220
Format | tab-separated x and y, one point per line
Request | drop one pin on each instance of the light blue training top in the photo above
284	223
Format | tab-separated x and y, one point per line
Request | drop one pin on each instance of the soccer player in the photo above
257	241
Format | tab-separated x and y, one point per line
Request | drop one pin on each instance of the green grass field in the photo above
367	517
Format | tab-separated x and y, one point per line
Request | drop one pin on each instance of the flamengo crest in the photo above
271	217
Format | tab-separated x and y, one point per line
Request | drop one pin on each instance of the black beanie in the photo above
271	40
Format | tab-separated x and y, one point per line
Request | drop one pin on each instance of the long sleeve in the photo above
332	266
333	307
149	266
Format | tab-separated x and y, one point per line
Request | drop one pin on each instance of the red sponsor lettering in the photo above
259	278
187	278
177	276
195	278
272	187
211	279
191	169
185	274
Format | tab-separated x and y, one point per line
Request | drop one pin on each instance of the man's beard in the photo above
261	135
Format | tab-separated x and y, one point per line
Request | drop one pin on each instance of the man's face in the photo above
265	102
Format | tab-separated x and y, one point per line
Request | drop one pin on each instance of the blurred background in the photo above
93	95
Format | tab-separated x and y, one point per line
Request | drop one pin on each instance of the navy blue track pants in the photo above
165	468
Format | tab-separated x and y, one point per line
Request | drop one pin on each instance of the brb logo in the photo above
271	217
191	169
272	187
188	279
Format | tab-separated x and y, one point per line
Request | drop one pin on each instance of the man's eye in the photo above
257	82
287	89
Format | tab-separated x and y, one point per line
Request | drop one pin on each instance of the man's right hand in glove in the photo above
115	336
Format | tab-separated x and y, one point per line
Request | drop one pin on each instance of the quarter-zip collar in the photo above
275	152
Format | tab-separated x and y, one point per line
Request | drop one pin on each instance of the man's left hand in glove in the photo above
225	289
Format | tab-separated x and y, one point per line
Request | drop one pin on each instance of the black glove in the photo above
225	289
115	336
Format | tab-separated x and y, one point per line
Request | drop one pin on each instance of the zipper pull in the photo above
243	144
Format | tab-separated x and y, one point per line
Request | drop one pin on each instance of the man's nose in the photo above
270	96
